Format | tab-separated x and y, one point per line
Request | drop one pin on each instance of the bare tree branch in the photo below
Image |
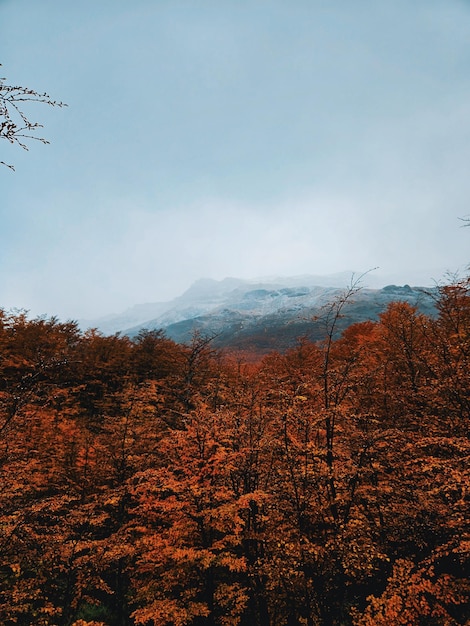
465	220
15	126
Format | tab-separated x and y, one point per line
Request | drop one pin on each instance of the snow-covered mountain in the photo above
202	296
266	313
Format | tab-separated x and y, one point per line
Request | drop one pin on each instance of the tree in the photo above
416	596
148	483
15	126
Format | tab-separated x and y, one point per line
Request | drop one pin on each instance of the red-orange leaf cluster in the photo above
145	482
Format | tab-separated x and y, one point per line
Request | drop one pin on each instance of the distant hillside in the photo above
260	315
203	296
275	320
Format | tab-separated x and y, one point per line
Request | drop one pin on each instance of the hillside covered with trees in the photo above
145	482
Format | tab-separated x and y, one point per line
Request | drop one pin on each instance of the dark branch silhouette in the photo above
15	125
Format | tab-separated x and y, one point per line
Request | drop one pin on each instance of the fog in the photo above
208	139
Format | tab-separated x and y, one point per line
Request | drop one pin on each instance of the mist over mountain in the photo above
260	314
202	296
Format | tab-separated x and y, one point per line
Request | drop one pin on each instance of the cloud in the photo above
237	139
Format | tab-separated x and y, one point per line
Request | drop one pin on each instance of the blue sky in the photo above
232	138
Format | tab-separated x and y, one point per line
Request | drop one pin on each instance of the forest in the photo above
145	482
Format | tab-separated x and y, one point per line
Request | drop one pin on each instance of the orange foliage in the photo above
144	482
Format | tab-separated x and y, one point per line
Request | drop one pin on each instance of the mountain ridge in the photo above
201	294
260	314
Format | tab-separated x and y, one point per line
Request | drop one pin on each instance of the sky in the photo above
245	138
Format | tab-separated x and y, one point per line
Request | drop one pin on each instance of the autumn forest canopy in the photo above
145	482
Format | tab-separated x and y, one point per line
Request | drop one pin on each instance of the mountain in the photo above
261	315
202	296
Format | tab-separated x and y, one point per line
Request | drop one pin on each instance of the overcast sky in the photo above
214	138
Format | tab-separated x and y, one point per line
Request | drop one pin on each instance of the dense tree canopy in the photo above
145	482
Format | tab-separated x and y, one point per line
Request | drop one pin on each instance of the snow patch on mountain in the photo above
235	298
